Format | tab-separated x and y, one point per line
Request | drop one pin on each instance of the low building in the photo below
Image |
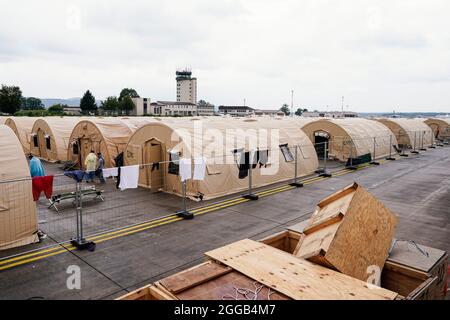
141	107
271	113
173	108
330	114
236	111
205	110
72	110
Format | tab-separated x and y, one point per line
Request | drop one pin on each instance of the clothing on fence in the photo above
77	175
244	165
44	184
185	169
36	168
199	168
129	177
110	172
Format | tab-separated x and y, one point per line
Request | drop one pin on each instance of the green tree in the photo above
202	104
32	103
10	99
87	104
110	105
285	109
126	105
57	109
128	92
300	111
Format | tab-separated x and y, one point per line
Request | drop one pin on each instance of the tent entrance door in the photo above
85	148
41	144
153	156
321	139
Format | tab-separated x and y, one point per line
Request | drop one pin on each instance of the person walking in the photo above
36	167
90	163
100	167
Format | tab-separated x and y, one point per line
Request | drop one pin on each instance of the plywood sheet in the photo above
294	277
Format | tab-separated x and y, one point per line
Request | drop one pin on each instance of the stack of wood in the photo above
327	257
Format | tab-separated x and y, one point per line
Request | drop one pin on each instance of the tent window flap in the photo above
287	154
174	163
48	143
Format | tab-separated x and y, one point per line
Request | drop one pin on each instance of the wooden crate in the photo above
349	231
427	259
410	283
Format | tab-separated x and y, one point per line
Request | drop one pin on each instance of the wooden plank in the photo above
194	276
325	222
338	194
341	205
294	277
139	294
408	254
224	288
316	242
160	293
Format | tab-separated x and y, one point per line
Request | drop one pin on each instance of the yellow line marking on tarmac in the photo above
35	256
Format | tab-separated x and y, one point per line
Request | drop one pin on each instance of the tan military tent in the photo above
106	135
440	127
356	137
2	120
50	137
410	133
222	142
22	128
18	219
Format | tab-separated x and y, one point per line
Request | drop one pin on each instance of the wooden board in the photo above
316	242
407	254
224	288
194	276
299	227
294	277
340	205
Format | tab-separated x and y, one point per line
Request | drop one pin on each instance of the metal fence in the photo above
80	210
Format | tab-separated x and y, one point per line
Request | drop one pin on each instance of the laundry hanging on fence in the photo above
199	168
185	169
77	175
263	158
244	165
42	184
129	177
110	172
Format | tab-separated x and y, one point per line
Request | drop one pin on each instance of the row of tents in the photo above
147	141
156	143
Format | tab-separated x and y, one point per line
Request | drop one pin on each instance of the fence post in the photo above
415	151
184	213
390	149
325	172
422	147
80	242
433	140
374	162
250	195
295	183
351	167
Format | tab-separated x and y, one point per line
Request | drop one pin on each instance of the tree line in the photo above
12	102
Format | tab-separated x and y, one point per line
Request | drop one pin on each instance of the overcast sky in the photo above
381	55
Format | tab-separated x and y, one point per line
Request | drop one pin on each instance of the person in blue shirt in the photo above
36	167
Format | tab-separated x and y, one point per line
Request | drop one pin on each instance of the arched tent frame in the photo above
50	137
354	137
22	128
440	127
410	133
221	177
18	218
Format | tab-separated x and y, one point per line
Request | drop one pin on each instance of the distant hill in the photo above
75	102
72	102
